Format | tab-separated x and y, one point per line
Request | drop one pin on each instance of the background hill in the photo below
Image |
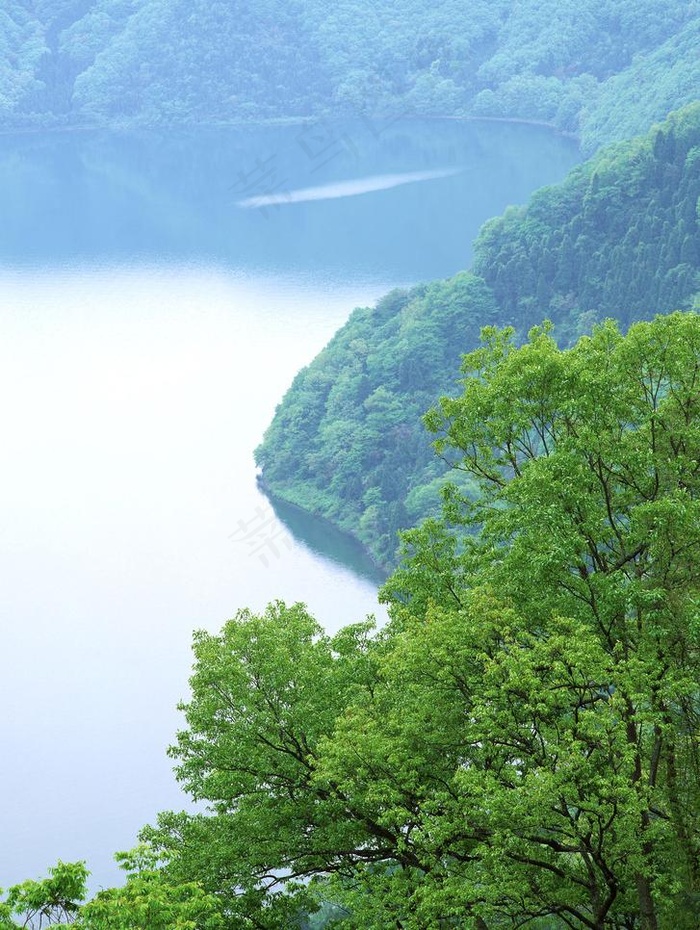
602	68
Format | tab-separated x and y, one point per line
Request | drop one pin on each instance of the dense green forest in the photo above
518	746
619	238
598	67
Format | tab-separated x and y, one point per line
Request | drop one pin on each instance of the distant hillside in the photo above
605	68
620	238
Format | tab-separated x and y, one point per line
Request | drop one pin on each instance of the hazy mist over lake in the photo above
149	327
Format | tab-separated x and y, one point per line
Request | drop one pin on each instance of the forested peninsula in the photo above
618	238
603	69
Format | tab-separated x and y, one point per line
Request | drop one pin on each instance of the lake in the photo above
158	292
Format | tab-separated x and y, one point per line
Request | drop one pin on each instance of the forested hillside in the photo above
598	67
619	238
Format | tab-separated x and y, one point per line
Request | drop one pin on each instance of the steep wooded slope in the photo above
619	238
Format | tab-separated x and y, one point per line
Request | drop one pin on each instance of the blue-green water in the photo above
150	320
93	197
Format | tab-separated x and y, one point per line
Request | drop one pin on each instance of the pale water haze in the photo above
132	402
148	328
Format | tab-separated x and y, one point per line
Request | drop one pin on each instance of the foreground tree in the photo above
521	743
587	516
264	693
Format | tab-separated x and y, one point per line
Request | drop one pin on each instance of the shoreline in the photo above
277	500
272	122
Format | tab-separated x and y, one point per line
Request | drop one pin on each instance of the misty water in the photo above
157	294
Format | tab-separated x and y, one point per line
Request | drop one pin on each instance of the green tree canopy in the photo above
48	902
148	901
520	744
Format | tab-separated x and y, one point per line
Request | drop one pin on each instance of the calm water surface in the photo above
149	325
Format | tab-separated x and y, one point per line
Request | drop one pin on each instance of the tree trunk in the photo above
647	911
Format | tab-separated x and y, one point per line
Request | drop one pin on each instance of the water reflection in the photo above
97	196
323	539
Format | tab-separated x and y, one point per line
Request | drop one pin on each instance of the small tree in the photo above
149	902
48	902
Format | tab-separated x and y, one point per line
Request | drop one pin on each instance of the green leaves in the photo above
264	694
47	902
587	466
148	901
520	743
